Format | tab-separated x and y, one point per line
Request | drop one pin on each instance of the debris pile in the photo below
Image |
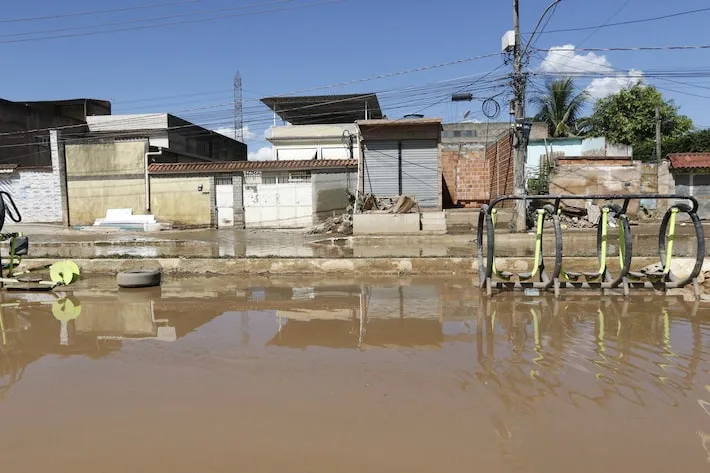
343	224
572	216
337	225
396	205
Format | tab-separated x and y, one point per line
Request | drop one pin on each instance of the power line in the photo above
229	104
639	48
629	22
184	22
144	20
601	74
99	12
226	119
589	36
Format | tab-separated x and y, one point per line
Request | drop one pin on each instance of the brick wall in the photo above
500	165
465	174
593	161
37	191
473	174
472	187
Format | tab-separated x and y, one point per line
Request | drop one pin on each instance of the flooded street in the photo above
214	374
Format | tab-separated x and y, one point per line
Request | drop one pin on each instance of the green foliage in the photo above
629	117
560	107
540	183
693	142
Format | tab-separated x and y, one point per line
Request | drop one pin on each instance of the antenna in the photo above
238	111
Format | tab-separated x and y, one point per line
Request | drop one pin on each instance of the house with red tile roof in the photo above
690	173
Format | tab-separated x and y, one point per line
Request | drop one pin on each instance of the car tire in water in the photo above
139	278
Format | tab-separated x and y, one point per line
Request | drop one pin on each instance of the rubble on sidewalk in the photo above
337	225
572	216
343	224
399	205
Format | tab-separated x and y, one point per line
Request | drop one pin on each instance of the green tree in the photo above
629	117
560	106
694	142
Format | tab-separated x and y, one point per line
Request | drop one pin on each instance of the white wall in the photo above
537	149
312	150
36	193
304	142
574	147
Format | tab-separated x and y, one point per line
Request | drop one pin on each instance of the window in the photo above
299	176
285	177
252	178
42	140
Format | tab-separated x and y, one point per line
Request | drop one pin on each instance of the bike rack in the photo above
561	278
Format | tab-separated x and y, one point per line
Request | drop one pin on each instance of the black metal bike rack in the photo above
626	279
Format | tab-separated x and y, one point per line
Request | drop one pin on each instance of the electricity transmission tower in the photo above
238	110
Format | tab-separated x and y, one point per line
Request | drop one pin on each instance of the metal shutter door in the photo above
381	173
420	171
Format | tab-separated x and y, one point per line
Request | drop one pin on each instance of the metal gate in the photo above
381	172
420	171
224	192
278	200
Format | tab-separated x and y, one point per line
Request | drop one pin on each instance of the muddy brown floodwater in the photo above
217	375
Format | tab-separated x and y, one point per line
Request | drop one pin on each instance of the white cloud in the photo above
264	153
563	60
229	131
604	86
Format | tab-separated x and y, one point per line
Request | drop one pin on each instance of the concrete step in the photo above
434	217
433	222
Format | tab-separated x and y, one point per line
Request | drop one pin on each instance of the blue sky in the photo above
288	46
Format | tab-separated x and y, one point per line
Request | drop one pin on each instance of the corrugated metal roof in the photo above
689	160
324	109
400	122
239	166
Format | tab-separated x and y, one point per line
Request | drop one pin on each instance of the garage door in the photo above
278	200
420	173
381	171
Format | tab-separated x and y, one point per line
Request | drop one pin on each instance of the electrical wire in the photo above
426	95
184	22
625	23
595	31
638	48
587	73
144	20
98	12
230	104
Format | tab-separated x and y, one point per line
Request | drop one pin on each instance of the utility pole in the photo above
518	223
658	134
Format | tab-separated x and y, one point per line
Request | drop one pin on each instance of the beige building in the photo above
107	167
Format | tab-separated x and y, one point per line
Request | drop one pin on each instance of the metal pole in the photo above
658	134
518	223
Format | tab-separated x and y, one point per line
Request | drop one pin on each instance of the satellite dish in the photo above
465	115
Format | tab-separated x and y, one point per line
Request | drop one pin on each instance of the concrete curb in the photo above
434	266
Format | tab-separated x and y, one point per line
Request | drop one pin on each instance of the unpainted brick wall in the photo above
472	187
465	173
474	175
500	165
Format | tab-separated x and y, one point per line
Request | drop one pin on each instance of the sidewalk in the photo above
60	242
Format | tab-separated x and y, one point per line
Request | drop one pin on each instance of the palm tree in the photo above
561	107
